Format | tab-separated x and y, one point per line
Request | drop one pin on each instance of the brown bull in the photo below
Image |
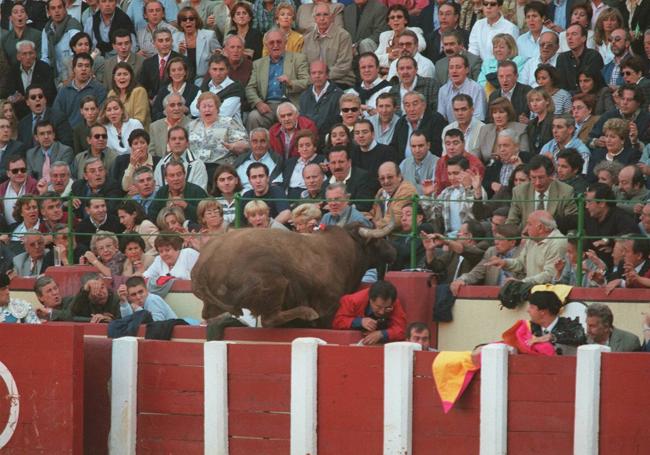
282	275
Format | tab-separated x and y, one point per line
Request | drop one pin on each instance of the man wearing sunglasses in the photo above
47	151
19	184
36	101
97	139
480	38
619	42
8	147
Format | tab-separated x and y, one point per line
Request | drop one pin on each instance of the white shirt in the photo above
480	39
9	202
372	101
527	74
426	67
317	96
121	147
471	135
181	269
230	107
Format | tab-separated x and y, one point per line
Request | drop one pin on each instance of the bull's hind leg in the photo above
302	312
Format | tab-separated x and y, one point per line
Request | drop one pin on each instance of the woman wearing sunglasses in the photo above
194	42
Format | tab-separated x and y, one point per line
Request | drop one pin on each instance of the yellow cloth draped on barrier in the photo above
452	373
561	290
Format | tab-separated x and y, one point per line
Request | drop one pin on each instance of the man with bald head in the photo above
278	77
320	102
544	246
395	193
332	44
548	46
314	179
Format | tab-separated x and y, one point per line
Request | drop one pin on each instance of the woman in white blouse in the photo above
173	260
118	125
398	20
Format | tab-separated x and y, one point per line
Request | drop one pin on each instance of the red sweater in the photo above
277	136
354	307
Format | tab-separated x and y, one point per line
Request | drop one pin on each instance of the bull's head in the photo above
377	249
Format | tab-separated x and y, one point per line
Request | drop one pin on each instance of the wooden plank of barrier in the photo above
41	389
417	297
350	399
96	397
261	334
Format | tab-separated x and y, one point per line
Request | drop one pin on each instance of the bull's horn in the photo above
378	233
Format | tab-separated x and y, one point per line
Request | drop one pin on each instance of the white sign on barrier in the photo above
14	408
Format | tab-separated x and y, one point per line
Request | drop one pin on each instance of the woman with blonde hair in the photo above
257	214
608	20
8	112
305	218
504	47
539	129
118	125
616	132
285	14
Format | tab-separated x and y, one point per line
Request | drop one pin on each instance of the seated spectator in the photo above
226	185
402	239
543	192
215	139
30	263
418	332
385	120
155	74
125	86
173	219
356	180
134	220
58	254
305	218
591	82
636	266
421	165
124	52
306	144
455	145
144	187
539	129
504	52
548	46
54	307
260	152
314	179
134	296
178	144
339	136
178	80
582	110
407	43
60	181
126	165
501	200
453	43
95	183
564	138
566	269
543	247
241	66
118	125
27	219
210	218
470	126
231	93
548	79
50	207
632	190
320	100
97	148
132	247
453	206
8	147
350	112
506	246
264	94
332	44
506	159
371	84
14	310
578	52
548	327
305	15
569	167
94	303
175	115
616	146
368	154
376	311
459	82
177	192
20	183
172	261
82	84
408	79
601	330
644	224
47	150
258	215
36	101
89	109
632	70
30	65
258	176
502	116
607	172
395	193
284	16
450	258
398	20
105	254
340	211
98	218
417	117
282	135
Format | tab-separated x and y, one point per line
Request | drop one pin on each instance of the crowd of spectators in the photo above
132	132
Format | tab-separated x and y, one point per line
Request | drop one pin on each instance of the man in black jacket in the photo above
358	182
154	68
41	75
577	59
36	101
417	117
564	333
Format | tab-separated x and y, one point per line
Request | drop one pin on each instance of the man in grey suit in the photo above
505	246
452	43
47	152
30	263
365	20
543	192
175	110
121	41
271	84
601	330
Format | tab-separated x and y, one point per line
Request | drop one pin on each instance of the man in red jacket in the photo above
376	311
283	134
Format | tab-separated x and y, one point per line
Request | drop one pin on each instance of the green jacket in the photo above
82	308
192	194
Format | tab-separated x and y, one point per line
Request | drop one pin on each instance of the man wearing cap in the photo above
13	310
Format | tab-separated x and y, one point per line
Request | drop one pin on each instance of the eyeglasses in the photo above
100	136
36	97
628	73
615	39
187	18
349	109
544	45
490	3
390	18
18	170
